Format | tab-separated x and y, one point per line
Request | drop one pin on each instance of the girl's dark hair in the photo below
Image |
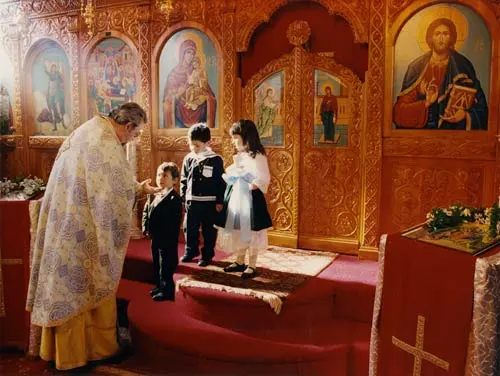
250	136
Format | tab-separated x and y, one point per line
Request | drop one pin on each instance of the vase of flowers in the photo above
21	188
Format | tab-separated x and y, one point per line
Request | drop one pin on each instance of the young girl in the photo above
245	219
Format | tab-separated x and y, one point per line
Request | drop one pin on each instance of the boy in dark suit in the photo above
162	221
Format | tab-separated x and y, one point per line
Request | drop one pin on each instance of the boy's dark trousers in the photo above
165	261
200	213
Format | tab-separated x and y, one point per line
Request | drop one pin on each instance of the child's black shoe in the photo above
249	273
204	263
161	296
154	291
235	267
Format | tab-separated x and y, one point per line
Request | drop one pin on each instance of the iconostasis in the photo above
371	112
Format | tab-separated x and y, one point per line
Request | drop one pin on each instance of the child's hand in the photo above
218	207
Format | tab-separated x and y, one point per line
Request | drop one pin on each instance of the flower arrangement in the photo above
455	215
21	188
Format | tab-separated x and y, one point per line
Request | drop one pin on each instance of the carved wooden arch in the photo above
486	12
85	56
176	137
26	82
359	26
284	160
342	219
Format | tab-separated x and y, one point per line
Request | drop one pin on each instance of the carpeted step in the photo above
138	264
162	331
345	289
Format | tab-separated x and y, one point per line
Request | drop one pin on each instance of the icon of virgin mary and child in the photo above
187	97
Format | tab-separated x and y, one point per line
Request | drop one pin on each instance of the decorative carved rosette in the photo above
298	33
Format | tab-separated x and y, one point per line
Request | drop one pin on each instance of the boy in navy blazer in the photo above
162	221
202	192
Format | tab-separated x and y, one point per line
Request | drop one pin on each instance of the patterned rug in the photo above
280	272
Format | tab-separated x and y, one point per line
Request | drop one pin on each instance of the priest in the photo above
81	240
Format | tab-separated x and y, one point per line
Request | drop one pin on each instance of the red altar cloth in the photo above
14	273
423	310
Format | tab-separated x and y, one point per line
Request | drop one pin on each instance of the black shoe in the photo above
161	296
235	267
249	274
204	263
154	291
187	258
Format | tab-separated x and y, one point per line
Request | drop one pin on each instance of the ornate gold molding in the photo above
207	13
179	143
229	74
11	141
41	142
125	19
372	142
35	8
456	148
144	163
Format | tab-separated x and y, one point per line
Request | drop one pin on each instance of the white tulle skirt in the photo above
230	241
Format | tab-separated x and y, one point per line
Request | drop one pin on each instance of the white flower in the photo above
466	212
21	191
447	212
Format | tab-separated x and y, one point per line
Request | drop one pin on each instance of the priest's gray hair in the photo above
129	113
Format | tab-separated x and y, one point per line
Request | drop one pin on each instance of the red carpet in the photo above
323	329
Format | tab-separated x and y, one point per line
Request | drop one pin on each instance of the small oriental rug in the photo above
280	272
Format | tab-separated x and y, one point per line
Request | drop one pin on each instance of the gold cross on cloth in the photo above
418	350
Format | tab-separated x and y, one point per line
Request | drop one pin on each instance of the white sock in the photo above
240	256
252	258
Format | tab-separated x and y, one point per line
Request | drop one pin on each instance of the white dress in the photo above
230	241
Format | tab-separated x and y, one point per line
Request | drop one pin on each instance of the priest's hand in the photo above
147	188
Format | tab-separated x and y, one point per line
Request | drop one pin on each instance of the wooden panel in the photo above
413	186
330	174
282	196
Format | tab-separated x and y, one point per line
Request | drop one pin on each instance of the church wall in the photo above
402	173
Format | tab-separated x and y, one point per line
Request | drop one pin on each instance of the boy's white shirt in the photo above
160	196
207	153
